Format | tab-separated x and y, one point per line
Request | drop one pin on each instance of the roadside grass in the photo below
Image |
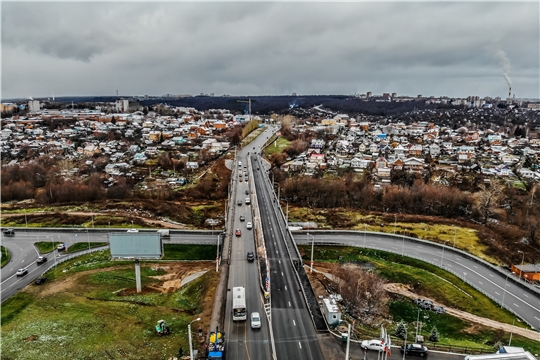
45	247
465	238
91	320
6	256
252	136
280	144
84	246
424	278
189	252
453	331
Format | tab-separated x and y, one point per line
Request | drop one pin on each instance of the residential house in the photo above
434	150
415	150
413	164
317	158
192	165
381	167
317	143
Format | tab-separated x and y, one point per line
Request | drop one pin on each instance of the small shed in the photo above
331	311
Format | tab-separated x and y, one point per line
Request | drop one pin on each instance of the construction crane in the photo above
249	102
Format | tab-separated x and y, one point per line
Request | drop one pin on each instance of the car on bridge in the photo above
249	226
376	345
242	218
250	256
41	259
246	192
239	202
61	247
238	232
255	320
414	349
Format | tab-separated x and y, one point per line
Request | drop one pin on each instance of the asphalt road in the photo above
294	333
503	287
243	341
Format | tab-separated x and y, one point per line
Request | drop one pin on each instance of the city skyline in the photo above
254	48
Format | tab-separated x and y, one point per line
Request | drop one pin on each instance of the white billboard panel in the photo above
136	245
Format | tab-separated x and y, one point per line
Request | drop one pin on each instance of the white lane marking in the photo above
285	287
290	303
279	261
516	305
537	318
449	265
481	283
299	344
490	274
282	273
497	293
525	295
476	267
294	322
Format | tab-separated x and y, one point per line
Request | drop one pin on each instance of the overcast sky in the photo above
276	48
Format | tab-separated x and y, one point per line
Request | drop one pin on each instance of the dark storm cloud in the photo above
269	48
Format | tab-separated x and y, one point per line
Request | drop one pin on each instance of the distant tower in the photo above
510	92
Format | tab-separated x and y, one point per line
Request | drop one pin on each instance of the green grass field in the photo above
6	256
427	280
189	252
92	319
279	146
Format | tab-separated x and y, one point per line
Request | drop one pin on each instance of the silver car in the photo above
255	320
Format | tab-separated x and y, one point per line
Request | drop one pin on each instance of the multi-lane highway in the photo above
243	341
295	336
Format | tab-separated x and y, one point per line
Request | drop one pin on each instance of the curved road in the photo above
501	286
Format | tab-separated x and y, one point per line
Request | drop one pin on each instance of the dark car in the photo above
415	349
40	280
239	202
246	192
250	256
9	232
242	218
41	259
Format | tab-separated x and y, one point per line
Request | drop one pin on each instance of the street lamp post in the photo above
217	254
417	321
522	259
87	237
312	246
395	223
190	340
365	230
504	291
455	231
403	245
442	255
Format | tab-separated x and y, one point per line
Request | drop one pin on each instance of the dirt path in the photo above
405	291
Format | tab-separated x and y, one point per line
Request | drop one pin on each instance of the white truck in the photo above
164	233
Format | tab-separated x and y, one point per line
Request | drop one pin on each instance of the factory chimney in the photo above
510	92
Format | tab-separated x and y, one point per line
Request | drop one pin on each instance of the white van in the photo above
248	201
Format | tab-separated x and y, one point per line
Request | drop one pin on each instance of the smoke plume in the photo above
505	64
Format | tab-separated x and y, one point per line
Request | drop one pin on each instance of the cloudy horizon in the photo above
274	48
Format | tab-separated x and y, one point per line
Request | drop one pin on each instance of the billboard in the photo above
136	245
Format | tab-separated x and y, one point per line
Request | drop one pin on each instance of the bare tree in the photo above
363	292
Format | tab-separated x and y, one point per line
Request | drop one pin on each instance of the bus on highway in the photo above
239	303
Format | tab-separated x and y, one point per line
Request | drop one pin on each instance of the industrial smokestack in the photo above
510	92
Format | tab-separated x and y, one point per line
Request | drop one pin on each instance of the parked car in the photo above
242	218
41	259
238	232
22	272
414	349
40	280
61	247
9	232
255	320
250	256
438	309
249	226
133	231
417	301
426	304
376	345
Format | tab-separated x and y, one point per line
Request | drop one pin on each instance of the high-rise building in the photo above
33	106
